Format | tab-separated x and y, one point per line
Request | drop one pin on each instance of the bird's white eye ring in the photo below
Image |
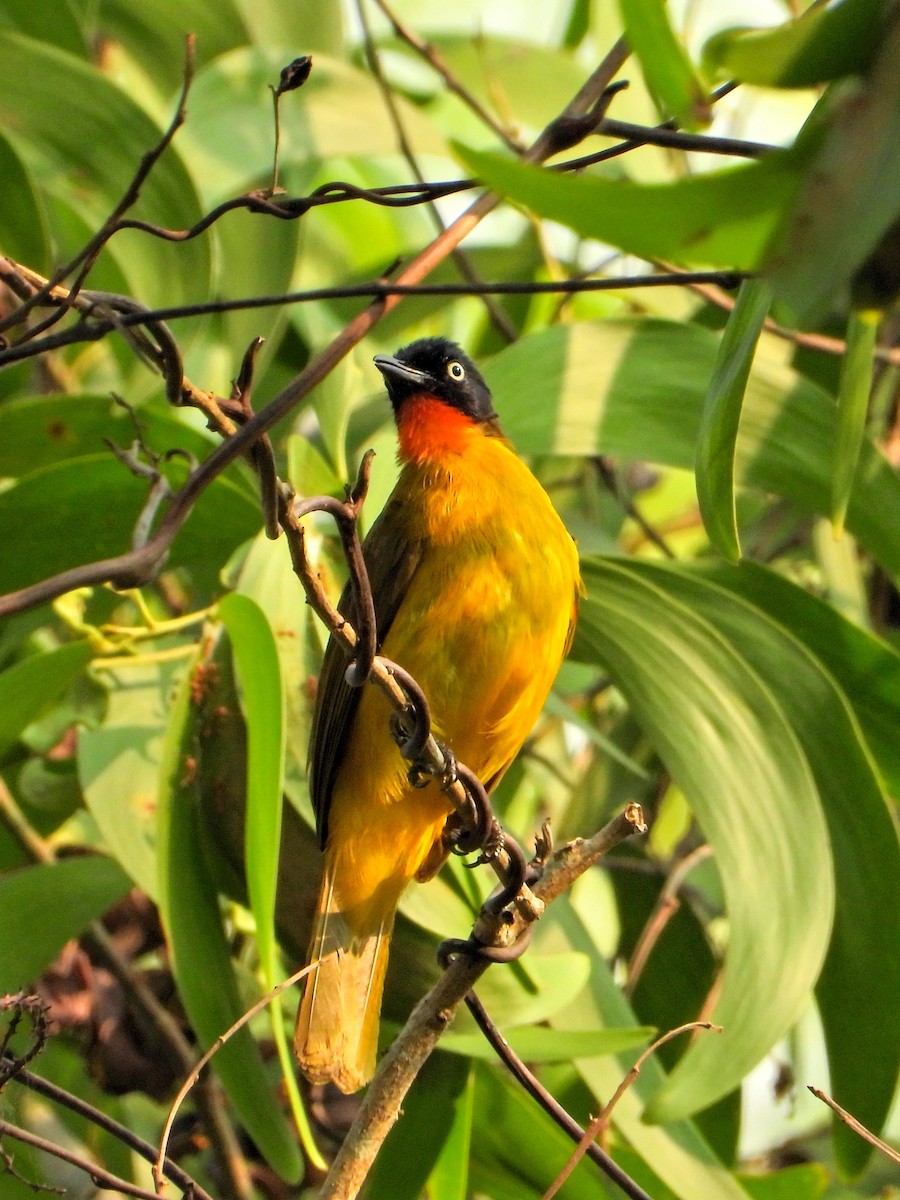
456	371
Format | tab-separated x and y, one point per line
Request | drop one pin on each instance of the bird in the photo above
475	581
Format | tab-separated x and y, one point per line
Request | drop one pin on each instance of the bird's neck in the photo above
429	430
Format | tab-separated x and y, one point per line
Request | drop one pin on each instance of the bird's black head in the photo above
439	368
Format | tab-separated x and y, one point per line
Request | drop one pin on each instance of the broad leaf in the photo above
29	687
60	900
726	738
675	86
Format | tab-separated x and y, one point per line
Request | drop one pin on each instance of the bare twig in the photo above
601	1121
857	1126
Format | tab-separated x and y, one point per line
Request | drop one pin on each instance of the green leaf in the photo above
262	696
853	406
200	954
717	439
30	687
677	1154
807	1181
537	1044
56	901
37	431
432	1136
864	1058
636	388
80	491
851	194
547	983
119	763
751	789
63	31
820	45
83	138
676	88
867	669
23	219
724	218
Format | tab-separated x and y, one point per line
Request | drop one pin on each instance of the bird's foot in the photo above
471	947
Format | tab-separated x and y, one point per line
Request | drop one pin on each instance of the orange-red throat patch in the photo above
428	429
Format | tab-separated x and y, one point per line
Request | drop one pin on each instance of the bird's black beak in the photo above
394	370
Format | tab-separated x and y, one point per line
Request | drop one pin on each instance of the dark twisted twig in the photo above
96	1116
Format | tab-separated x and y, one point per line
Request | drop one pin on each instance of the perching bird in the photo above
475	581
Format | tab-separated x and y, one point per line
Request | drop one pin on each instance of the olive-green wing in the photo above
391	558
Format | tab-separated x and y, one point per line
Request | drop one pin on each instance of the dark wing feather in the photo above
391	557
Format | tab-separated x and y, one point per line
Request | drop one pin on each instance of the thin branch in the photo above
601	1121
851	1122
97	1117
98	326
100	1176
403	1061
159	1160
550	1105
435	60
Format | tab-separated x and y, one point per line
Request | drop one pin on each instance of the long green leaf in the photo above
200	955
851	195
820	45
853	405
725	737
724	218
717	440
42	907
671	79
29	687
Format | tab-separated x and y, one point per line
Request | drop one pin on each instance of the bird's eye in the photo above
456	371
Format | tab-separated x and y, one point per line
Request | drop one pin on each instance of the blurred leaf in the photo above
717	438
83	137
537	1044
851	194
806	1181
676	88
29	687
310	27
751	789
37	431
22	215
723	218
819	45
60	900
853	406
97	501
437	1115
155	33
119	763
201	956
636	388
677	1154
338	112
63	31
546	983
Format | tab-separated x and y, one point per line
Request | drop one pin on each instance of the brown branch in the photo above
857	1126
75	1104
401	1064
100	1176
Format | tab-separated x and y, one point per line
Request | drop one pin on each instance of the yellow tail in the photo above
336	1038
